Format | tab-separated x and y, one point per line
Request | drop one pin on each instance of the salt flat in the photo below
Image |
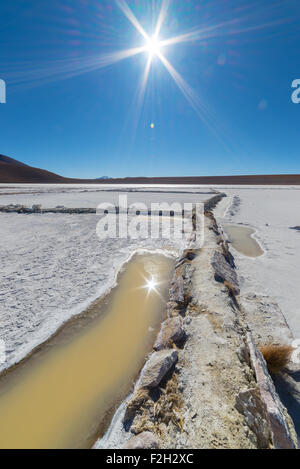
34	188
54	265
271	211
93	199
87	196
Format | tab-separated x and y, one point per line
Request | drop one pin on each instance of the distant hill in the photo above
13	171
11	161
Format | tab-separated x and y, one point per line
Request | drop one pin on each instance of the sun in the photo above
153	46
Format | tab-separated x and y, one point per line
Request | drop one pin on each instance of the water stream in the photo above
64	395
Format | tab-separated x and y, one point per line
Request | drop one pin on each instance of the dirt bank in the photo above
219	394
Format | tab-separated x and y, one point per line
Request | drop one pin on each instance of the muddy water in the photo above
64	394
242	240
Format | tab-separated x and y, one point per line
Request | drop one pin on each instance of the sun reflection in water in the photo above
151	284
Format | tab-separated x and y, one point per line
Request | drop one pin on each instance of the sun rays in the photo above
154	45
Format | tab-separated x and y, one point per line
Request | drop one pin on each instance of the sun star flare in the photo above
150	285
153	47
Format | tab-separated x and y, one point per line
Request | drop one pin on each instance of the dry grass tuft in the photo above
143	424
152	412
276	356
167	408
138	401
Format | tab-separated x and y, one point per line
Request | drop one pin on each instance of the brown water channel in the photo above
64	394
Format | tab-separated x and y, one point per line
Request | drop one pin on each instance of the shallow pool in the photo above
242	240
65	393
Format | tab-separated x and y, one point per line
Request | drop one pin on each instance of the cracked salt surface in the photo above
53	267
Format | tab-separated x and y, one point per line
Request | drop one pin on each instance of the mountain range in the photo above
14	171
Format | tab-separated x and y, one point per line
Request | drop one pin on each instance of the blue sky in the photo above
66	114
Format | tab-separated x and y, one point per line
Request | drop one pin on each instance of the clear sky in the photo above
74	108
